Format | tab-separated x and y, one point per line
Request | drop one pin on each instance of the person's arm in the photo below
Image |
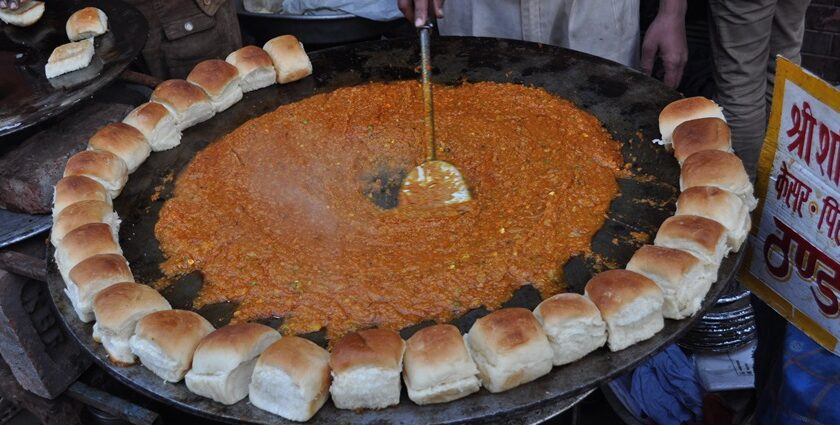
417	11
666	38
11	4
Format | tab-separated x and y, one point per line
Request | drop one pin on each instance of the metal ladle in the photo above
434	182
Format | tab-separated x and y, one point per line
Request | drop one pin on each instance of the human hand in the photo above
11	4
666	38
417	11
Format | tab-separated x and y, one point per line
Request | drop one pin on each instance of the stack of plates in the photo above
727	326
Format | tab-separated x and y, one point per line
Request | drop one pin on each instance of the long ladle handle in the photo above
428	104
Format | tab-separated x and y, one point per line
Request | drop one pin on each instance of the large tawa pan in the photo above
627	102
27	97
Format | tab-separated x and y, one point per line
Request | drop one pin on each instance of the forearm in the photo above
672	8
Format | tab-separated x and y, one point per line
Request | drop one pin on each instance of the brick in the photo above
823	18
827	68
818	43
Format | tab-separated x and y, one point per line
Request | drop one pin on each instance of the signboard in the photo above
793	262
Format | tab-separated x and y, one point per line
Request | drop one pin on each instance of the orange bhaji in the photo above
280	217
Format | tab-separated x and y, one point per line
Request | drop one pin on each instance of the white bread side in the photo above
438	367
291	379
510	348
573	325
25	15
630	304
69	57
366	368
719	169
220	80
164	341
719	205
188	103
157	124
290	59
117	309
93	275
255	68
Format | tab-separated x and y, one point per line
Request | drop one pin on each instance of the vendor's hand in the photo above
418	11
666	38
11	4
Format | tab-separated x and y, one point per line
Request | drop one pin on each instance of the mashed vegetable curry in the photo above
290	215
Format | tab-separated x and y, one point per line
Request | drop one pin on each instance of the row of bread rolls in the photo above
85	226
82	27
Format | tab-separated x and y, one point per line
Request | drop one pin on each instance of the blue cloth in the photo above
807	388
667	389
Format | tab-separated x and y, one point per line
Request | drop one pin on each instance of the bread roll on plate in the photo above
157	124
81	213
700	236
510	348
72	189
700	135
290	59
69	57
93	275
291	379
366	368
438	367
117	309
106	168
186	101
683	278
719	169
124	141
85	23
220	80
630	304
84	242
719	205
224	361
25	15
680	111
255	68
164	341
573	325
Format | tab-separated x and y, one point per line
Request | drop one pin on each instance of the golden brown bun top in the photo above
213	75
613	290
147	116
710	201
117	137
688	107
436	344
176	332
181	94
507	329
114	304
249	58
563	307
700	135
714	168
90	239
85	19
102	164
672	264
379	348
79	213
284	44
72	189
301	358
707	233
101	267
231	345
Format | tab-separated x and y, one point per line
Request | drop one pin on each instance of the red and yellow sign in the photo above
794	258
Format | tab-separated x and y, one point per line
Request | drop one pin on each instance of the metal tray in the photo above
627	102
27	97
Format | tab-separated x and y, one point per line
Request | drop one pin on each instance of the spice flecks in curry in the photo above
280	216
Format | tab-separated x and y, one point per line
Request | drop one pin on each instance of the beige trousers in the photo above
746	37
605	28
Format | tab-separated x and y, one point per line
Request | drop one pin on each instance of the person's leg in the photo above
786	37
740	38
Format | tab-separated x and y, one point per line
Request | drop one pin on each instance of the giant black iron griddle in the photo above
627	102
27	97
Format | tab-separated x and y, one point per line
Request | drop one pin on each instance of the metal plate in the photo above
27	97
15	227
627	102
